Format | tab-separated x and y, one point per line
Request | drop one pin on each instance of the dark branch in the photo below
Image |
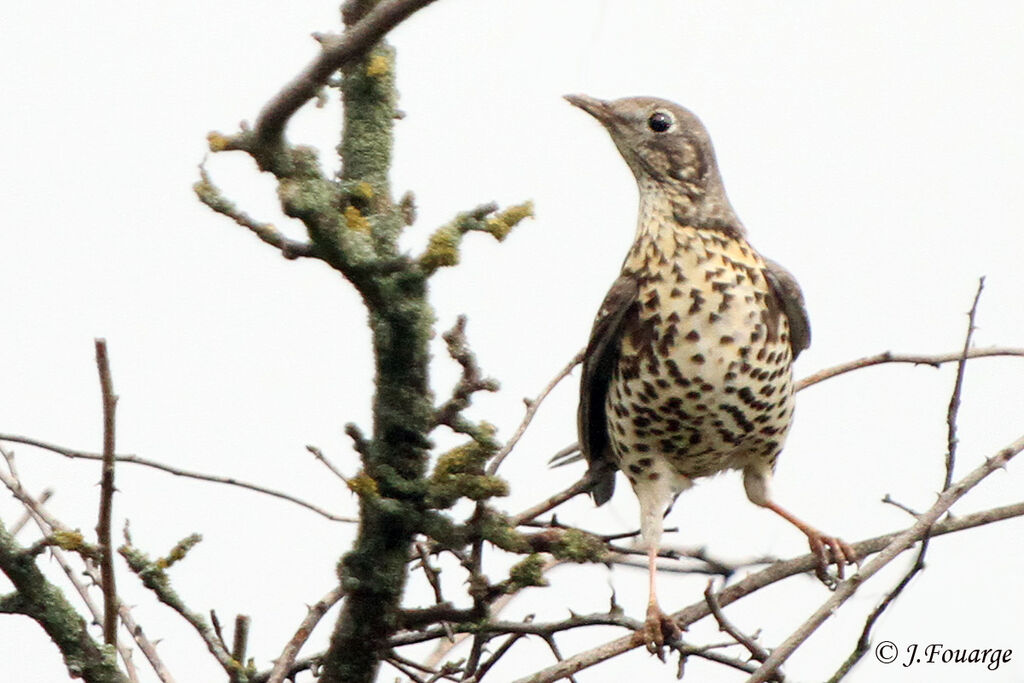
338	51
107	497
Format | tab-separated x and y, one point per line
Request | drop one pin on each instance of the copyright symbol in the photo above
886	652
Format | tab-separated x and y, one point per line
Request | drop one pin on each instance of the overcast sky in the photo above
874	148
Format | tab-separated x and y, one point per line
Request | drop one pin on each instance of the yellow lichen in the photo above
378	66
363	485
442	249
502	224
68	540
217	141
355	220
363	190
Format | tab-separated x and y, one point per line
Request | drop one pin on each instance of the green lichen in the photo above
579	546
526	573
496	530
459	473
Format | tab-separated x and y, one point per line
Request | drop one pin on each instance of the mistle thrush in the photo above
689	367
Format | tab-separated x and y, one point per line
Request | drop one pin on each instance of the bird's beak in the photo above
599	109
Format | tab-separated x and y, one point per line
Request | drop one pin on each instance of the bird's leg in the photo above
756	482
654	502
841	553
659	626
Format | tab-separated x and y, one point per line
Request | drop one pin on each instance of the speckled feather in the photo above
688	369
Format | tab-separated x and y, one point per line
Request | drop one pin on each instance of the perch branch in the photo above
900	543
774	574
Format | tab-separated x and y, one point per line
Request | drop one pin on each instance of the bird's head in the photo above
669	151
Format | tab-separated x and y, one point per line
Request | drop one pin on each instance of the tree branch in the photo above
915	359
107	497
176	471
338	51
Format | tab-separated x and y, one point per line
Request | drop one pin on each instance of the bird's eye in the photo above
660	121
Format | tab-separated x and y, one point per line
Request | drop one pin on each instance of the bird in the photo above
688	370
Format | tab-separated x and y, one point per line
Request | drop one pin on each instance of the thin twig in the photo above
914	359
210	194
107	496
283	664
726	626
531	513
532	405
178	472
319	455
889	500
954	401
27	516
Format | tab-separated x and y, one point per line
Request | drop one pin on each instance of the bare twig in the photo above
319	455
954	401
889	500
914	359
550	503
178	472
107	497
532	405
239	644
283	665
755	650
27	517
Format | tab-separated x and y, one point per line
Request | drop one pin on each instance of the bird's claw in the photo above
828	550
658	629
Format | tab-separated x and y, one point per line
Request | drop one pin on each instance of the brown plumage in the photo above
689	367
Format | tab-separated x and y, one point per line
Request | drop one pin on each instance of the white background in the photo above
874	148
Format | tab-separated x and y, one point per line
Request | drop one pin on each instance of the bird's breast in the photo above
704	375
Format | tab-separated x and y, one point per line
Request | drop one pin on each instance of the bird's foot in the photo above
658	629
828	550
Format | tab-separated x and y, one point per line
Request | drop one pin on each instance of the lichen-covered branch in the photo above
153	574
38	599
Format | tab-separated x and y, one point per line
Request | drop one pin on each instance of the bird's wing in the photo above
598	365
788	293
